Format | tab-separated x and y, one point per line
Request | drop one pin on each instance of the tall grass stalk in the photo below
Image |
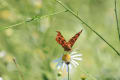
117	22
75	14
18	69
30	20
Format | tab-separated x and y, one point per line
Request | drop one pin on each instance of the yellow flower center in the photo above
66	58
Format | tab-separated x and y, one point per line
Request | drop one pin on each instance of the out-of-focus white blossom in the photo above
1	78
2	54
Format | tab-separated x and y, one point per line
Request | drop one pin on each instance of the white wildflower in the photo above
68	60
2	54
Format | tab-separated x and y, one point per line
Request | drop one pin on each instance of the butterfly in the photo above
67	45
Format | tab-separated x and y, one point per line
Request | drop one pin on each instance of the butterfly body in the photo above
67	45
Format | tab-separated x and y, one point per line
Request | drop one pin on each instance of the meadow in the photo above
28	45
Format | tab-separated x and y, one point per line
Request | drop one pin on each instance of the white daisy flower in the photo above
68	60
1	78
2	54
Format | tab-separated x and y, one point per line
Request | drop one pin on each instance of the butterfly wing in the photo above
74	38
60	39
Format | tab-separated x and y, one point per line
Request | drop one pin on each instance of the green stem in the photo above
68	72
30	20
18	69
117	20
73	13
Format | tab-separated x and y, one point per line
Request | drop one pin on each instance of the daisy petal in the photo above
67	68
70	66
58	60
75	62
63	66
73	53
77	55
59	65
77	59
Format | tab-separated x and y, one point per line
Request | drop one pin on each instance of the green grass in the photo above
33	43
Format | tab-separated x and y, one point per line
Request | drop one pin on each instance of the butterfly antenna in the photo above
81	31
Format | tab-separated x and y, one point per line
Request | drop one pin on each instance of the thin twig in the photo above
18	69
30	20
117	20
73	13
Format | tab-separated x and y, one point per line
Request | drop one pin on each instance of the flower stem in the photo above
68	73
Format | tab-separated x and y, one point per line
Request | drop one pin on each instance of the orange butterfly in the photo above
67	45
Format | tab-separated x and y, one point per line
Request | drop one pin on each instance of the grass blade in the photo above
30	20
18	69
117	19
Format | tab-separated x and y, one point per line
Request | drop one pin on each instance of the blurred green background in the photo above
34	46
